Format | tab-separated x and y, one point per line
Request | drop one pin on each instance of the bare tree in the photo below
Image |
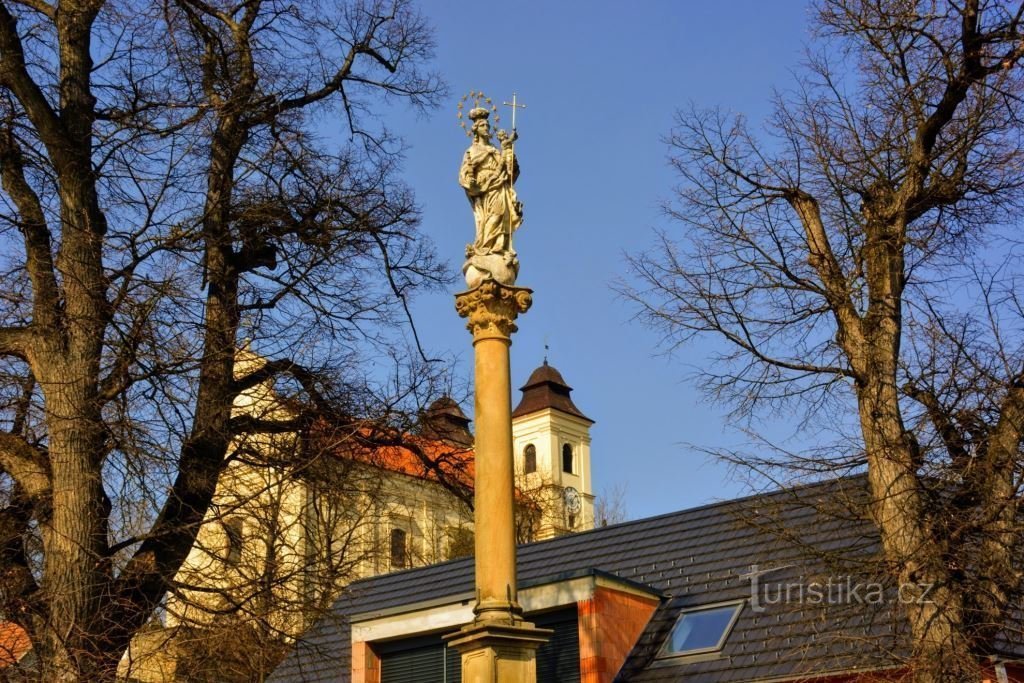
170	188
859	261
610	506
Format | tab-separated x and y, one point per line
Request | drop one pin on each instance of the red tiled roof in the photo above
443	459
14	644
409	454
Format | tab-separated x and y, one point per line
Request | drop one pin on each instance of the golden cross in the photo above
514	106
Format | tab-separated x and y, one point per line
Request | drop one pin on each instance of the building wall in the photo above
610	623
281	539
548	431
306	543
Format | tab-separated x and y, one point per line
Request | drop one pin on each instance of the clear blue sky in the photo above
601	81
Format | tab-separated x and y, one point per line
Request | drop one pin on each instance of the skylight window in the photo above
701	630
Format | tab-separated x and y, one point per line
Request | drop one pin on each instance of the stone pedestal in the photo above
498	646
499	653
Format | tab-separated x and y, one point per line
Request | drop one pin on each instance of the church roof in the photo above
14	644
547	389
415	455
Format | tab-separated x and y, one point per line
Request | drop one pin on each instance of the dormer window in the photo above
530	459
701	630
567	464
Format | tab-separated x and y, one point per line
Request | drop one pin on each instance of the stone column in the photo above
498	646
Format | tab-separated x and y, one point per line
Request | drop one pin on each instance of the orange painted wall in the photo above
365	664
609	625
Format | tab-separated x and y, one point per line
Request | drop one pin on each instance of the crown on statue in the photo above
482	108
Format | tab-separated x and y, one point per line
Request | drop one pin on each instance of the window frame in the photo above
391	549
737	606
234	534
529	450
572	458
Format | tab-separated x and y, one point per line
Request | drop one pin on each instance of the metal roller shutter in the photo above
453	665
558	660
415	660
428	660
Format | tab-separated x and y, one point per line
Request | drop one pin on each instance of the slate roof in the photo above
694	557
546	388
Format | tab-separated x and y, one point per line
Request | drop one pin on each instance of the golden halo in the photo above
478	99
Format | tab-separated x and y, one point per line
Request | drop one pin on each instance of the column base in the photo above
499	652
497	611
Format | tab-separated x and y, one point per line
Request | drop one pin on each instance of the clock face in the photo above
572	500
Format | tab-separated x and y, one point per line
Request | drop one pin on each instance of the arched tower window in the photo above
567	458
530	459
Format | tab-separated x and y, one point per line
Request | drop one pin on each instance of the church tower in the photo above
551	442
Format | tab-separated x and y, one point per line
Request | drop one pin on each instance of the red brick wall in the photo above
609	625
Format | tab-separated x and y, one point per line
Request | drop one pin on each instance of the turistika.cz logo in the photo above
766	593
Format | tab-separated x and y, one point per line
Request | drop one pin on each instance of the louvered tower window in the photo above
567	464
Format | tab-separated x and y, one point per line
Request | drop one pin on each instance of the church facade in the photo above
286	534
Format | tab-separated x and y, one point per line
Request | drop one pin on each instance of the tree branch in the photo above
821	257
26	464
14	75
36	234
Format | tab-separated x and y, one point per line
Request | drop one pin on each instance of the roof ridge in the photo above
706	506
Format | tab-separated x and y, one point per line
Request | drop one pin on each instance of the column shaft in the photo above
494	513
498	646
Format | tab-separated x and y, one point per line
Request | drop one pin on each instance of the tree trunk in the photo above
941	650
75	542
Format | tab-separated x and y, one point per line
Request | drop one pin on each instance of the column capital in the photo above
492	308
